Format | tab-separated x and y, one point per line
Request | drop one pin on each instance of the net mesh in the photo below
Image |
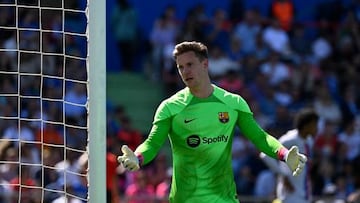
43	100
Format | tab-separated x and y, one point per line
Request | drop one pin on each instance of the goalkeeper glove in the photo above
129	160
295	160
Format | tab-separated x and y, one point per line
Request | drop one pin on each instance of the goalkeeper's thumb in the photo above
295	160
129	160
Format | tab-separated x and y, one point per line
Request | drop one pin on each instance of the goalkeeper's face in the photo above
192	70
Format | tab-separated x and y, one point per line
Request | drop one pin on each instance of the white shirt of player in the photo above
300	183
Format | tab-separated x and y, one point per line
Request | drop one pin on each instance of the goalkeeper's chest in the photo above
204	120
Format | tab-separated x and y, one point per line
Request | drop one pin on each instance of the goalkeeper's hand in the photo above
129	160
295	160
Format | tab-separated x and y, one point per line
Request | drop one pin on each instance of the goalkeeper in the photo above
200	120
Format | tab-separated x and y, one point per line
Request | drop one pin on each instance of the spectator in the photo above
265	185
324	177
11	134
10	170
5	190
275	70
349	102
321	47
350	138
262	49
240	152
325	106
354	197
125	26
128	134
68	168
163	188
263	120
192	27
299	42
66	198
284	12
162	36
77	98
218	30
49	135
326	142
112	191
247	30
276	38
48	177
220	63
157	170
232	81
140	191
283	94
235	53
25	195
282	120
250	68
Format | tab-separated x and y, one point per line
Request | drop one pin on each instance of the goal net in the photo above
49	97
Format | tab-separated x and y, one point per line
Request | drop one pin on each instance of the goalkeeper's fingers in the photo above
128	163
131	164
128	159
120	159
301	164
127	151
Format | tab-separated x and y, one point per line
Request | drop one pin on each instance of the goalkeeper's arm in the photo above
146	151
269	145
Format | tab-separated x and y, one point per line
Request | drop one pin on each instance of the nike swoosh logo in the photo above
188	121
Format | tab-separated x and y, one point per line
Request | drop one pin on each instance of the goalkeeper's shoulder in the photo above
232	100
176	102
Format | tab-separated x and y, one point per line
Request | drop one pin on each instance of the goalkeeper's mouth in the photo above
188	79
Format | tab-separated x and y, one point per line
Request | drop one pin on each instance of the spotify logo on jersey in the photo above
193	140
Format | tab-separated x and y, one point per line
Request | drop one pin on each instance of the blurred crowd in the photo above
278	63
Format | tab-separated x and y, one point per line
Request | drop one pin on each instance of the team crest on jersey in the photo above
223	117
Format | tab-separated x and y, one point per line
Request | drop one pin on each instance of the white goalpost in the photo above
97	113
52	101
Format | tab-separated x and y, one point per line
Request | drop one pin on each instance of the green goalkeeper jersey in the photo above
201	133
